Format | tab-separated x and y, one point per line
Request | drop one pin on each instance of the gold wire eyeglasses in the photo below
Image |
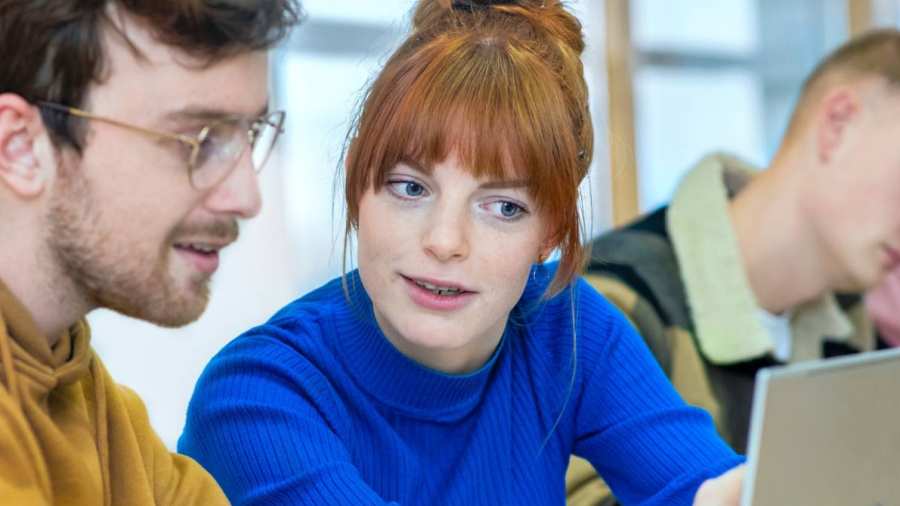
216	149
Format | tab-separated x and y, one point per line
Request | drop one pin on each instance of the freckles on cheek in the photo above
372	251
508	269
370	256
380	252
509	256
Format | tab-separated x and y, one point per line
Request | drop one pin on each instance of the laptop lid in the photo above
826	433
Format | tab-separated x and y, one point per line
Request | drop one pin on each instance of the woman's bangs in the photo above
466	109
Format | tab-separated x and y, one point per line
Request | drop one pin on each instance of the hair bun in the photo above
547	16
471	5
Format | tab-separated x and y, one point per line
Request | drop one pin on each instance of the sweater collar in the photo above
394	379
722	303
35	366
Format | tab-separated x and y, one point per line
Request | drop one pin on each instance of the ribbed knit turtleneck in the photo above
318	407
394	379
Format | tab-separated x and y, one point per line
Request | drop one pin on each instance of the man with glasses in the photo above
130	137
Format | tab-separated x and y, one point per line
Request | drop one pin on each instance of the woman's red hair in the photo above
501	87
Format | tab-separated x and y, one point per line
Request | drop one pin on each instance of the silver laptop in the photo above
826	433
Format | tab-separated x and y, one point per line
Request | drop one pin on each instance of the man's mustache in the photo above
220	230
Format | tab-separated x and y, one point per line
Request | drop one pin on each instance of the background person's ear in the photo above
20	127
838	109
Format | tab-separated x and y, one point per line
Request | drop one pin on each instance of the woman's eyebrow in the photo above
414	165
504	184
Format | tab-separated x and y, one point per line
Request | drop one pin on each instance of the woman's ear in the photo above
544	253
552	240
20	128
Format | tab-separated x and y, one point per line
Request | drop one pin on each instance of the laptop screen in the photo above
826	433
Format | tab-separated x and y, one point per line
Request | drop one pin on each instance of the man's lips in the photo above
202	246
206	237
893	257
203	255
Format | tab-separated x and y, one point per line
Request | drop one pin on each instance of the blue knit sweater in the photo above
316	407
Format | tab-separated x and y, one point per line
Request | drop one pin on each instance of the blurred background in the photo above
670	81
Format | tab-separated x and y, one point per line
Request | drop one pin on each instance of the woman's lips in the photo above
436	295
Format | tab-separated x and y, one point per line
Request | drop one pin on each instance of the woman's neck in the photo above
462	360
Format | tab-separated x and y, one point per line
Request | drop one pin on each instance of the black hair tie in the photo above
473	5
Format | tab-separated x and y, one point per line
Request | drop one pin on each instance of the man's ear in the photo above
20	127
839	108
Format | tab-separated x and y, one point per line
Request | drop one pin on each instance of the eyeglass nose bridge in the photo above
195	149
253	131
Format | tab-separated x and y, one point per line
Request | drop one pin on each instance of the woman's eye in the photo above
508	210
407	189
413	189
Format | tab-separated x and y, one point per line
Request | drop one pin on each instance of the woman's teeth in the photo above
439	290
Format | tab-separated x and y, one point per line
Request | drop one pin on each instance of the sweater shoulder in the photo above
283	366
577	316
301	327
313	308
292	346
580	303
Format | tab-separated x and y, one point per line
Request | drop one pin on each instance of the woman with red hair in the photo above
455	366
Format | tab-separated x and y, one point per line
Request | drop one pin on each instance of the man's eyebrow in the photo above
201	113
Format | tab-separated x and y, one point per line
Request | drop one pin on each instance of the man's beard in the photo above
108	271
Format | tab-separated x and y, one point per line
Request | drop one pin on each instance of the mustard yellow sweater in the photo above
70	436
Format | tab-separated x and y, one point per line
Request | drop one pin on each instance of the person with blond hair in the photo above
745	269
456	366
